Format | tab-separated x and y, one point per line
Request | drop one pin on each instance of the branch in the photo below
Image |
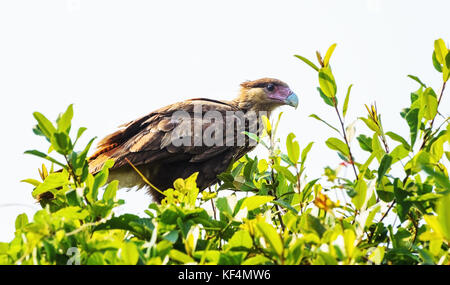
426	137
352	162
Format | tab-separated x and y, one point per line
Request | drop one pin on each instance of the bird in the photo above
196	135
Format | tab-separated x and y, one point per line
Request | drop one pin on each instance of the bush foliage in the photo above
385	216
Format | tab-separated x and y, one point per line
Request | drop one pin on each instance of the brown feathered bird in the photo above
196	135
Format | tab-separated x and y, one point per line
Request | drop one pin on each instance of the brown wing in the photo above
150	138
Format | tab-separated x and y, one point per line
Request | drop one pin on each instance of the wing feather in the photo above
149	138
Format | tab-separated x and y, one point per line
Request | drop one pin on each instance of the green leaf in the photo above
82	156
385	164
286	173
378	151
323	121
315	225
171	236
37	131
366	164
306	151
447	60
437	148
361	192
446	72
327	83
327	57
99	180
53	181
414	164
125	222
45	125
443	215
347	97
307	61
45	156
33	182
271	236
241	240
254	202
80	132
190	243
61	143
286	205
373	212
72	213
307	190
415	78
337	144
440	178
224	206
329	101
399	153
257	260
74	198
386	193
65	120
436	64
96	259
400	195
424	197
129	253
441	53
21	221
399	139
180	257
349	242
277	123
252	136
262	165
429	103
377	255
293	148
267	125
371	125
441	50
110	191
256	138
412	117
365	142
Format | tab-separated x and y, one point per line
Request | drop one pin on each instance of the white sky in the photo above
118	60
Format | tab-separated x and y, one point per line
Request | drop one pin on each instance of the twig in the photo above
369	238
385	214
276	206
83	227
212	204
352	162
75	178
143	177
416	229
426	137
439	100
298	178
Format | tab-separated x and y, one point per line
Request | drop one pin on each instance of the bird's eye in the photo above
270	87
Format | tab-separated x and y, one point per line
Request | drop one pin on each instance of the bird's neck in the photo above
247	101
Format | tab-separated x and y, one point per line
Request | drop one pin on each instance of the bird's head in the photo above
267	93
